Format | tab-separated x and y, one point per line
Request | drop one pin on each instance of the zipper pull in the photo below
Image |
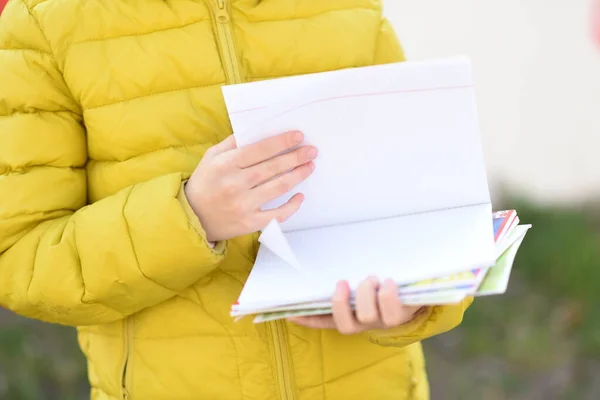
222	14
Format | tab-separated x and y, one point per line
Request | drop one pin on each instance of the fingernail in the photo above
374	279
389	282
312	153
311	165
298	137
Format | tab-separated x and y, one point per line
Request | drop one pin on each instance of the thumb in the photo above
227	144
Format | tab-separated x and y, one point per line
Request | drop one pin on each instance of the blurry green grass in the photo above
539	341
561	259
39	361
559	262
542	339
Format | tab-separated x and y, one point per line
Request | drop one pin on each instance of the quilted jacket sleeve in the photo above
388	48
434	320
62	260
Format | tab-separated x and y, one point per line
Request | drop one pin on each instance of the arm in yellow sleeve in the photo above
388	48
61	259
431	322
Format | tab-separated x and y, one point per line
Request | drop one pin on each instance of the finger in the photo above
281	185
367	312
284	212
342	312
315	321
227	144
266	170
255	153
390	306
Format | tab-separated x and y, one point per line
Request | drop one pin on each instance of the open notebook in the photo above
399	190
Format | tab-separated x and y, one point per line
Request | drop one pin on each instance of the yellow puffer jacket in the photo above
106	107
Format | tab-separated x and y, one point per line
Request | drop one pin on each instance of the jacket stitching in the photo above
243	253
196	86
182	337
35	6
26	214
23	169
353	372
38	51
53	55
287	75
172	337
230	275
228	336
37	248
35	111
238	363
174	147
103	39
310	16
411	383
322	363
79	263
83	301
376	43
137	261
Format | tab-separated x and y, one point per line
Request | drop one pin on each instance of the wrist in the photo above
187	201
191	198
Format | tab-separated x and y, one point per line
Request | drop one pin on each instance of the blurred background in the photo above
537	65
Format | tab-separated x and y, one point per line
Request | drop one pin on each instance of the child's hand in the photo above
230	185
375	309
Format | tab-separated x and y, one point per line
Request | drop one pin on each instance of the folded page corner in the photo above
273	238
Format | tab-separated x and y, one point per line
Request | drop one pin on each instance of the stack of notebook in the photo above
399	190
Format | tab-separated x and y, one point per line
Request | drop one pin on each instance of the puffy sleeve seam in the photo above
30	11
37	51
137	261
52	54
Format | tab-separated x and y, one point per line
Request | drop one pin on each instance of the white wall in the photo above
538	85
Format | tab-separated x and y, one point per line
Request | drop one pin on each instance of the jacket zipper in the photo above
281	359
276	329
127	328
225	35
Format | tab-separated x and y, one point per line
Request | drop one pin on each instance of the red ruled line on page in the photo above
327	99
